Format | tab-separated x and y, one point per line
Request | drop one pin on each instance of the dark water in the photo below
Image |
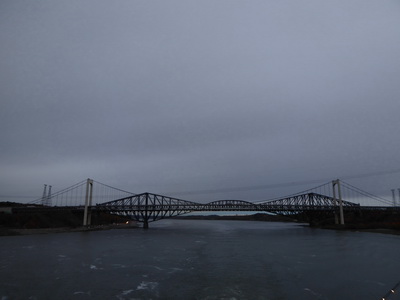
179	259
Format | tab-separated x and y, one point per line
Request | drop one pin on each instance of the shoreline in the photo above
374	230
32	231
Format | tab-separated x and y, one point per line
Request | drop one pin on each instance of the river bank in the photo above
4	231
354	228
27	223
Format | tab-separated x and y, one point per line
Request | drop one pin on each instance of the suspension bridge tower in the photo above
87	215
336	187
44	195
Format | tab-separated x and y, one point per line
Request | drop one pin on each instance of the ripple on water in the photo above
94	267
147	285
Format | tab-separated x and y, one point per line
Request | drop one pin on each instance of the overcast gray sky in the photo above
181	96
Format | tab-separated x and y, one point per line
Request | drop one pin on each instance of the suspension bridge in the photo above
335	198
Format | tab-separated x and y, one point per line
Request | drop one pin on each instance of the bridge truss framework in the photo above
149	207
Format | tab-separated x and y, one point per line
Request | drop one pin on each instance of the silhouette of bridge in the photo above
149	207
92	196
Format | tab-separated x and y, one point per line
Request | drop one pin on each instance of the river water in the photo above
200	259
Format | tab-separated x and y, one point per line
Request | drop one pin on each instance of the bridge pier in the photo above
146	212
336	217
145	224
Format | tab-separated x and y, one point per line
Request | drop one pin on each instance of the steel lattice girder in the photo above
152	207
149	207
305	202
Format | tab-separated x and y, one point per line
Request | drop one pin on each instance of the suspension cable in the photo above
111	187
364	193
295	194
56	194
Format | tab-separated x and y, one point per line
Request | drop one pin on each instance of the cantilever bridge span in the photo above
149	207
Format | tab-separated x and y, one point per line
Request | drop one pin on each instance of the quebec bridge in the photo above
335	198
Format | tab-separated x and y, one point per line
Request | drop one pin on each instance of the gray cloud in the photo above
183	96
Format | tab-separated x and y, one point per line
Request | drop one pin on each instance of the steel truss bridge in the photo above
147	207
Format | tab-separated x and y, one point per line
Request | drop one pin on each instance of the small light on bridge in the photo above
392	291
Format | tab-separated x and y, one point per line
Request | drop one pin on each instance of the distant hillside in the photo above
11	204
254	217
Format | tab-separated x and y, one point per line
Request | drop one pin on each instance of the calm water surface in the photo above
182	259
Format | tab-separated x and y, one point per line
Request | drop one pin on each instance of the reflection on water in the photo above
194	259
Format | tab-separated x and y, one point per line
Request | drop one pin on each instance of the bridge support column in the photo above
336	185
145	216
44	195
87	215
145	224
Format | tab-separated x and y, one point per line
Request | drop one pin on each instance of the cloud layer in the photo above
179	96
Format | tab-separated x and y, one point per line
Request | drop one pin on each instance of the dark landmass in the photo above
29	231
55	221
14	204
369	221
